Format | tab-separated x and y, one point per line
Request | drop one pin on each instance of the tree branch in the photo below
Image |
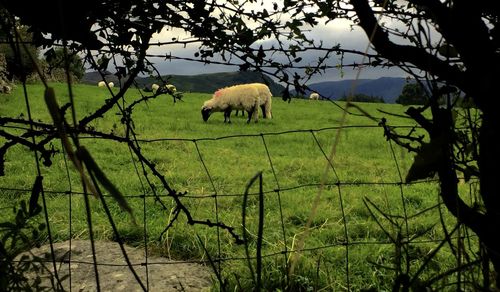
403	53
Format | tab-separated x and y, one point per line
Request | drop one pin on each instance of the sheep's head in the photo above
206	112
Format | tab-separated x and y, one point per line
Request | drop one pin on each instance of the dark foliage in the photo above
463	45
57	58
412	94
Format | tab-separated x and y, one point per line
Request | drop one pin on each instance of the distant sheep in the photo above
314	96
169	88
238	97
103	84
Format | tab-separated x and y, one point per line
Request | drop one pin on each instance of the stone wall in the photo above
5	85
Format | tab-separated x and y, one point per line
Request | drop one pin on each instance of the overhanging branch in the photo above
400	54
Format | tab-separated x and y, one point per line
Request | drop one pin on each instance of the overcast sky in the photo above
335	32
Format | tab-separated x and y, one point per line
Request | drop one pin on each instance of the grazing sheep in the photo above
171	87
314	96
168	88
101	84
111	84
265	96
238	97
266	101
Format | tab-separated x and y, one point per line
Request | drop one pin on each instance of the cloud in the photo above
331	34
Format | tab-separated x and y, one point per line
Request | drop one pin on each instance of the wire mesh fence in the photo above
368	230
313	218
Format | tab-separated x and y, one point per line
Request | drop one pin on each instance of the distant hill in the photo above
206	83
389	88
209	83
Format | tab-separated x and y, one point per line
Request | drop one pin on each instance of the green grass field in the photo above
212	162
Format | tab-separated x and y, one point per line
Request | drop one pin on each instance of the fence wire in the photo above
275	190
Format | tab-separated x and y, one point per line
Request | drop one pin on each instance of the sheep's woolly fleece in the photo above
314	96
266	101
169	87
103	84
237	97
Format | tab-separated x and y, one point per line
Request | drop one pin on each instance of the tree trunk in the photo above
479	55
489	166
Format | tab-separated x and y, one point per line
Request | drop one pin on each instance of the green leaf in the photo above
34	207
7	225
3	251
103	63
52	105
469	172
286	95
50	55
261	55
101	177
20	219
447	50
426	161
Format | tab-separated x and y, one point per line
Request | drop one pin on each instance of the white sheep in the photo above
238	97
265	100
101	84
171	88
111	84
314	96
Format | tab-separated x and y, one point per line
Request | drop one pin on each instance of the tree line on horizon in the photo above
20	66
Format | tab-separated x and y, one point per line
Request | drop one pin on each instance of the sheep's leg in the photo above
250	114
256	113
227	115
267	109
269	112
264	113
